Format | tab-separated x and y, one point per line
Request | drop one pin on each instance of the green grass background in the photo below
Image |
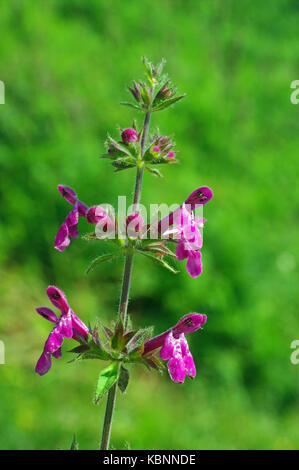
65	65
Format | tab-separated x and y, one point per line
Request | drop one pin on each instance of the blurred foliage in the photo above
65	65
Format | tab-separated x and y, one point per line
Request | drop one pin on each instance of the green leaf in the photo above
102	259
79	349
159	248
89	236
159	261
123	379
131	105
124	163
165	104
118	146
154	171
75	443
100	354
106	380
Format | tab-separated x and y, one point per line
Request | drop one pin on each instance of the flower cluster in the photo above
121	344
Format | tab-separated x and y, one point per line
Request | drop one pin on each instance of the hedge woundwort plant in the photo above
122	344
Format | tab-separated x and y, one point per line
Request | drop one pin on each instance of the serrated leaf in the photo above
106	380
165	104
159	261
123	379
75	443
102	259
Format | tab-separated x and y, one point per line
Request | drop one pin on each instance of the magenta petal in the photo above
189	366
134	224
189	323
96	214
43	364
47	313
180	251
176	368
57	354
81	208
58	298
192	236
79	327
64	326
200	196
72	223
54	341
168	349
194	266
62	240
68	193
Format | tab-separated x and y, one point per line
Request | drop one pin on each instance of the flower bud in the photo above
129	135
96	214
134	223
68	193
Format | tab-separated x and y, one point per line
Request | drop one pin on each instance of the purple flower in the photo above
129	135
175	348
180	360
156	149
199	197
68	325
69	227
189	240
186	229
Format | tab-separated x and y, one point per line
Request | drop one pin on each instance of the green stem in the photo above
125	291
108	418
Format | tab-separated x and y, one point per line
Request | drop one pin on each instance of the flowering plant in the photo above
122	344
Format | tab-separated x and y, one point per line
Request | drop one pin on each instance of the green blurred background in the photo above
65	65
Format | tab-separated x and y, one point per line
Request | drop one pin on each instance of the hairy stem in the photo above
108	418
125	291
